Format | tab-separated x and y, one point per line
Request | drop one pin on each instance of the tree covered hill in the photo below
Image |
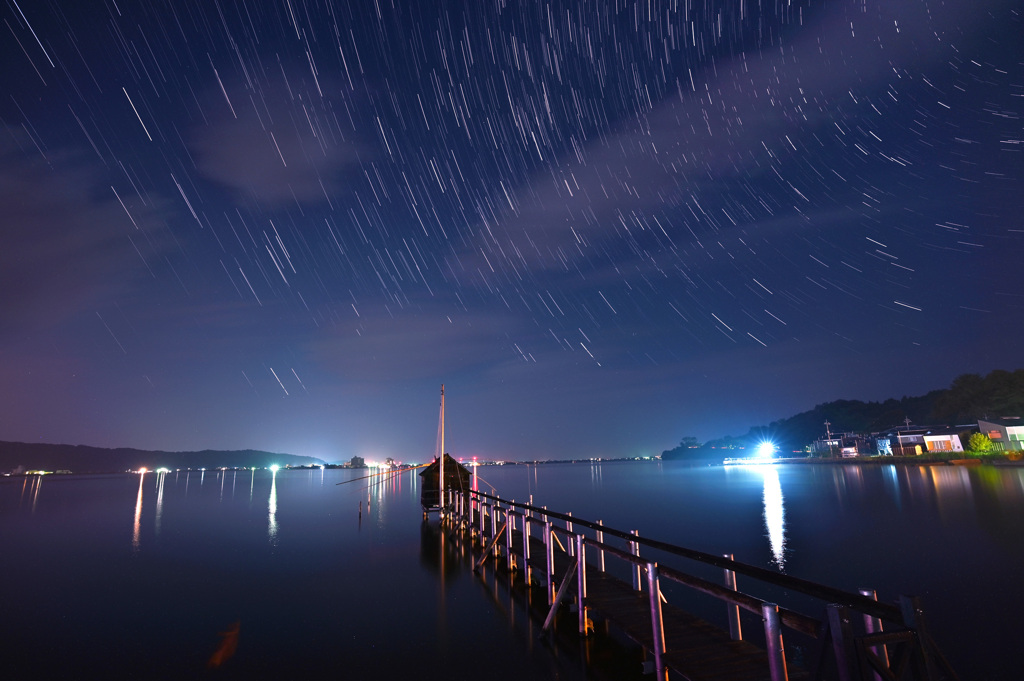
84	459
968	398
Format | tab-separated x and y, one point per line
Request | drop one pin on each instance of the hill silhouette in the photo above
85	459
968	398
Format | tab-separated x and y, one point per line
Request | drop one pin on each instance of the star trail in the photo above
603	225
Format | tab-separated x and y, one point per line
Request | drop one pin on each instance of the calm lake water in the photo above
134	576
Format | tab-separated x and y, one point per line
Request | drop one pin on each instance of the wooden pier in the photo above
854	637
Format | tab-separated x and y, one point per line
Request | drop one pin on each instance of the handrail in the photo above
826	593
792	619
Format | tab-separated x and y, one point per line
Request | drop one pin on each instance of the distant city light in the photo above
766	449
142	471
275	468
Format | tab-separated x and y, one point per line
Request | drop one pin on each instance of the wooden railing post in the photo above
913	618
657	625
549	560
570	546
494	520
509	526
842	641
873	625
634	548
581	583
735	630
481	509
773	640
499	513
526	548
600	552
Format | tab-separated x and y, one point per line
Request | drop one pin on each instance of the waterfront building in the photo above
1006	433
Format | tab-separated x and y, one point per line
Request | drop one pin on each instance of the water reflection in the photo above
892	483
775	516
272	516
138	512
35	492
160	475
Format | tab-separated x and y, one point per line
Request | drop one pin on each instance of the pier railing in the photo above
857	637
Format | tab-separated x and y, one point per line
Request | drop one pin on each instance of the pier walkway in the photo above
853	638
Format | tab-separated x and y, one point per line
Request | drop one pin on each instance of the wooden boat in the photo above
445	473
456	477
966	462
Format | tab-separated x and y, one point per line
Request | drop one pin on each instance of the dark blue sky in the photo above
283	225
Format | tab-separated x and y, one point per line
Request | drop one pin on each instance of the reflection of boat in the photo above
445	473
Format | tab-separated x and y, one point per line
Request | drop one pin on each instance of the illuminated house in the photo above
1006	433
943	440
919	439
901	442
841	444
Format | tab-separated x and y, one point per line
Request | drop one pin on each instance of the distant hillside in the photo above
968	398
83	459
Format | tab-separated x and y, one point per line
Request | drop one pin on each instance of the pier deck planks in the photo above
694	648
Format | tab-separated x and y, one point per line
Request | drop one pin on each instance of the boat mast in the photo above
440	485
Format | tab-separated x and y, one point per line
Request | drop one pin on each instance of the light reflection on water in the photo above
893	485
37	484
924	530
775	516
160	477
137	527
272	510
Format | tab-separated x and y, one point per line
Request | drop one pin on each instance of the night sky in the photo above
602	225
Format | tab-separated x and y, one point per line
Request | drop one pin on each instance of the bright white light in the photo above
275	468
766	449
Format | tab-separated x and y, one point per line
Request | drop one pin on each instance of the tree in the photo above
689	442
979	442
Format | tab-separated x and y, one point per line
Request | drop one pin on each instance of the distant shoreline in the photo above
992	460
966	461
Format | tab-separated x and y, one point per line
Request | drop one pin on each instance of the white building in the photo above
1006	433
